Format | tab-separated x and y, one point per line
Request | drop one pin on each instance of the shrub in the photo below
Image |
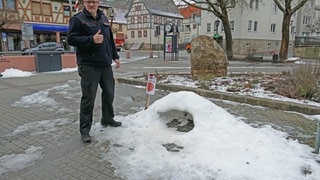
303	82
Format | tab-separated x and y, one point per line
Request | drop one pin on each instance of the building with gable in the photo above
146	19
190	24
48	19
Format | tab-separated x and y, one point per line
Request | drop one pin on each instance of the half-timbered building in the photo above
36	21
143	18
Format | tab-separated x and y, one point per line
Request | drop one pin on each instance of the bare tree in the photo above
288	9
220	9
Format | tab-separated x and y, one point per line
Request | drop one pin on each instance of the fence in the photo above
307	41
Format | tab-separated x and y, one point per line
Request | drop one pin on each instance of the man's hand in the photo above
98	38
117	61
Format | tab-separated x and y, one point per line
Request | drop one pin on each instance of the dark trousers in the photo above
91	76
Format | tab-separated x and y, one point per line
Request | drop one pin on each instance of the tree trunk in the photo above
228	34
285	37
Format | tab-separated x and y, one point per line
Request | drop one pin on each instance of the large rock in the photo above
208	59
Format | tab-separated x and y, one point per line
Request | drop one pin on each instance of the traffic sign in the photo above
27	31
216	35
151	84
4	37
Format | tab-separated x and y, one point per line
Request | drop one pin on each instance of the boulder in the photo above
208	59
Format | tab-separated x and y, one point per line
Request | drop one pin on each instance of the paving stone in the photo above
63	154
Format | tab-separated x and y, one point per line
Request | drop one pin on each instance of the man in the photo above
90	33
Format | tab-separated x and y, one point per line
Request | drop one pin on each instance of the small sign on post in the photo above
150	88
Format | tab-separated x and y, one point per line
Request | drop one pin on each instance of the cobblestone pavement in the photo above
61	154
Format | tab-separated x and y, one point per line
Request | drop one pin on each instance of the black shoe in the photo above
112	124
86	138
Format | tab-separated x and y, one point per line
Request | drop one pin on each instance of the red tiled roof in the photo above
187	11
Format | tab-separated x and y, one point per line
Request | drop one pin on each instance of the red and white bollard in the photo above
150	88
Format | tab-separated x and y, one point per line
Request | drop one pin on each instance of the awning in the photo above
50	27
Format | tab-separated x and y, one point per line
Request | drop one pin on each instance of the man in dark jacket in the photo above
91	34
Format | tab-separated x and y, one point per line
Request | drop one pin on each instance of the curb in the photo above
273	104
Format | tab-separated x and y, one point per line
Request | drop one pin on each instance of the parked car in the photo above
47	46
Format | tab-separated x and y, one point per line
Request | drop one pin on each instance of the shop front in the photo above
13	40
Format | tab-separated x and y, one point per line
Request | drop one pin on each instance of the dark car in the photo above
47	46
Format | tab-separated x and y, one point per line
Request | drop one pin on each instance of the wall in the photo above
307	52
28	63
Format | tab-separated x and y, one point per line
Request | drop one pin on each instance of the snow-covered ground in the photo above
220	146
226	84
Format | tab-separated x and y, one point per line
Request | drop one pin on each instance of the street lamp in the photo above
111	16
216	26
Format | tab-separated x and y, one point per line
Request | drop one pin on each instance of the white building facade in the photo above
256	28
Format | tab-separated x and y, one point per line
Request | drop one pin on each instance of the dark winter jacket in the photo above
82	28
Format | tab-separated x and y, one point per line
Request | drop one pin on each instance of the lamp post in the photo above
216	26
111	16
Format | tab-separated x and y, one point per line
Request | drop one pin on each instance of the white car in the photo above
47	46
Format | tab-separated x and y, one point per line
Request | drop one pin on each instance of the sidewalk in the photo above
55	151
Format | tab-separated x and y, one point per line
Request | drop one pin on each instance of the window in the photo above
11	4
132	34
145	19
251	4
257	5
208	27
194	18
194	26
137	8
145	33
187	28
255	26
249	25
274	8
139	34
8	4
306	20
157	31
273	28
156	20
36	8
66	10
41	9
46	9
232	25
254	3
